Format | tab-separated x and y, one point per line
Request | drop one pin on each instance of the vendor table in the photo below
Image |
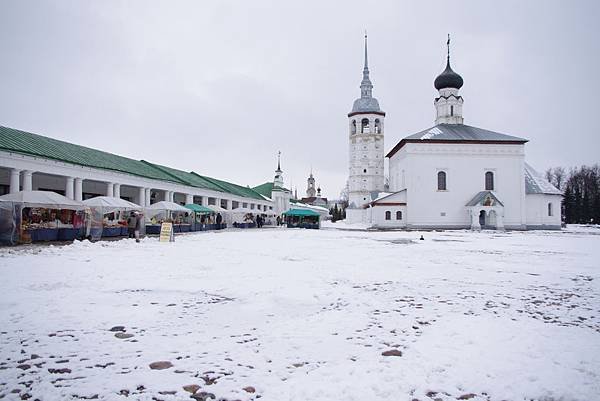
245	225
153	229
111	231
69	234
44	234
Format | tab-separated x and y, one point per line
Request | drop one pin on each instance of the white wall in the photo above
465	166
378	216
366	163
537	211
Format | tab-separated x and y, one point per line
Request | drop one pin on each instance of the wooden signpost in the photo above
166	233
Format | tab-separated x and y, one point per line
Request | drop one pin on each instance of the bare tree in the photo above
557	176
344	193
560	176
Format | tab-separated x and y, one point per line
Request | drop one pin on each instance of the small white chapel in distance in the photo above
449	176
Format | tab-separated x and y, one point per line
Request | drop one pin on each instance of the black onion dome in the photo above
448	79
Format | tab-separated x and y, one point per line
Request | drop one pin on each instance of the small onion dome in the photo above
448	79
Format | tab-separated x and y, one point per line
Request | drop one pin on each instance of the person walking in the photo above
219	220
131	225
138	226
278	221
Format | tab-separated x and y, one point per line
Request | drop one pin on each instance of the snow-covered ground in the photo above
305	315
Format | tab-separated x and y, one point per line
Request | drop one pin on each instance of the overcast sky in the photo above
219	87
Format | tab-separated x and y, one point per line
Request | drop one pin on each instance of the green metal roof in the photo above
267	188
198	208
264	189
13	140
301	212
235	189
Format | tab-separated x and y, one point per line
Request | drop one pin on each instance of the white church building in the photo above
449	176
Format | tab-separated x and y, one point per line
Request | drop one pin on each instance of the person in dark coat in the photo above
131	224
219	220
138	226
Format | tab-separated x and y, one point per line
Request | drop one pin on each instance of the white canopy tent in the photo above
109	204
165	207
218	209
225	214
43	199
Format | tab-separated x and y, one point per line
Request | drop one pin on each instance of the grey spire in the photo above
366	87
278	162
366	103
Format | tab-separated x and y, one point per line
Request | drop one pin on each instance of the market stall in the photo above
243	217
302	218
225	217
167	212
110	214
42	216
201	216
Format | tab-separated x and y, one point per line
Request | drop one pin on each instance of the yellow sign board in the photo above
166	232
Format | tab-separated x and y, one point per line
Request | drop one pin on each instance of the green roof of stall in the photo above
198	208
302	213
14	140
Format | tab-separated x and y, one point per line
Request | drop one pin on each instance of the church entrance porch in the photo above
486	211
488	220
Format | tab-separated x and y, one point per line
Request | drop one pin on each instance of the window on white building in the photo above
489	181
398	215
388	215
353	129
550	211
451	110
441	181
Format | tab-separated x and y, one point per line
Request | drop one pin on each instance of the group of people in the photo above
260	221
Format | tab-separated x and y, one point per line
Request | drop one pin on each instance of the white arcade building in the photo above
449	176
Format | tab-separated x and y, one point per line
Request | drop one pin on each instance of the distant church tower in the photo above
279	194
278	180
310	190
366	175
448	105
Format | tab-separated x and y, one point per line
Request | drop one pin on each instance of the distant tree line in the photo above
581	189
338	212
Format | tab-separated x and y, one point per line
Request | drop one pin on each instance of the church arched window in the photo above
364	126
398	215
388	215
377	126
451	110
353	128
441	178
489	181
550	211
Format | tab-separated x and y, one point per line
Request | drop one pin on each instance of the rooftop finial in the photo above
366	86
279	161
448	45
366	59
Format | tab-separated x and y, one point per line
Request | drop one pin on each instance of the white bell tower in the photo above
449	103
366	129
